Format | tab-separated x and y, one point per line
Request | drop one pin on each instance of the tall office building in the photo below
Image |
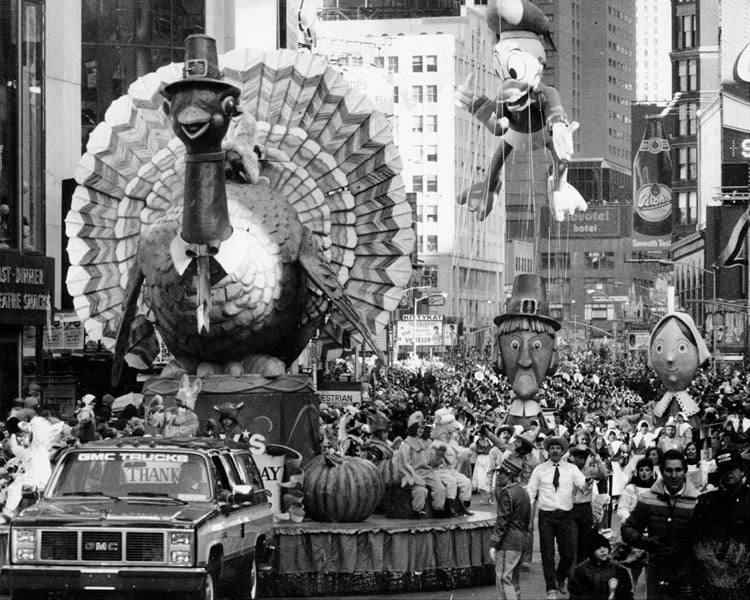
428	48
653	67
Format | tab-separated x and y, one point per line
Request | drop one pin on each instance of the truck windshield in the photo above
129	473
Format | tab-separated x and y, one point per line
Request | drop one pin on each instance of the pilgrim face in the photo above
526	359
674	357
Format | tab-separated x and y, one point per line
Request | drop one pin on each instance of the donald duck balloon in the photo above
676	350
526	111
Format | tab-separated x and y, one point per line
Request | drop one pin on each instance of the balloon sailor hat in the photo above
518	18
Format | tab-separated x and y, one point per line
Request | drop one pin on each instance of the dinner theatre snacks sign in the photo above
26	287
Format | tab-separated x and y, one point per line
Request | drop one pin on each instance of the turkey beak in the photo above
194	121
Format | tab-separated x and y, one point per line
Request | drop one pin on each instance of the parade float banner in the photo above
27	283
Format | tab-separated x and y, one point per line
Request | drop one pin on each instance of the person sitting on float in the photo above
414	456
525	349
676	351
669	439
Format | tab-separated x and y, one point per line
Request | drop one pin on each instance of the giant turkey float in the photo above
233	207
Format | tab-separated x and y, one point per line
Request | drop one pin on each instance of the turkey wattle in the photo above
238	275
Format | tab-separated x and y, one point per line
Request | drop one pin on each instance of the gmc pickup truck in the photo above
140	517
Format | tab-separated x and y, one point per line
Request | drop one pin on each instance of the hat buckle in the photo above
195	67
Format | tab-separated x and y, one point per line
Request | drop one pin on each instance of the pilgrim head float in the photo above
676	351
525	347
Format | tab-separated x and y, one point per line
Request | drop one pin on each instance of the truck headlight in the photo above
180	557
25	536
181	538
25	554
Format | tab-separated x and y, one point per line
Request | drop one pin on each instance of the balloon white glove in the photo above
562	139
463	97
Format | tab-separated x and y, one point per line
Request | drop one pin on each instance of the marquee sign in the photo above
26	288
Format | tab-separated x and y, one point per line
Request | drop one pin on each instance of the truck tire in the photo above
247	586
209	590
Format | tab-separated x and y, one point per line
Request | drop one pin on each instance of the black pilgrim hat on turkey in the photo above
201	66
528	299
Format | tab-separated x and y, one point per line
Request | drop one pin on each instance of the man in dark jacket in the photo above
665	511
510	536
721	534
599	577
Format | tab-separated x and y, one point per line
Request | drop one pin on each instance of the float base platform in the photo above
380	556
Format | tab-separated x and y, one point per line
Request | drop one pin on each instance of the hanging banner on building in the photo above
652	191
26	288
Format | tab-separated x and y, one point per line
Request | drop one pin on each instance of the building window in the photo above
432	183
688	75
420	212
429	276
417	183
417	154
395	94
123	40
687	119
431	213
378	61
432	243
22	152
431	153
416	64
599	260
393	64
432	123
417	123
555	260
686	38
431	93
687	158
416	94
420	244
431	63
687	206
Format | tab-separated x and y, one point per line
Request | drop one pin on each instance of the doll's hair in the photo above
525	324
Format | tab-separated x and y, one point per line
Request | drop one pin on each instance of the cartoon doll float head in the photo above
676	350
525	347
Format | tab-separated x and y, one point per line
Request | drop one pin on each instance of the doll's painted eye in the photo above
515	344
682	347
659	347
515	65
537	345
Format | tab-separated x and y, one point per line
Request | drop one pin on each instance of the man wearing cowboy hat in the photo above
525	347
551	488
510	536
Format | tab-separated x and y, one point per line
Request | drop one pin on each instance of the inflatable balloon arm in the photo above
484	109
558	126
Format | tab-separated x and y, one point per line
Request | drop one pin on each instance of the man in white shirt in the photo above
551	487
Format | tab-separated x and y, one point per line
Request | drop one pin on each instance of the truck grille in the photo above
145	546
101	545
59	545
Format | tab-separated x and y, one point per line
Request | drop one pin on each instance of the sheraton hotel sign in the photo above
597	221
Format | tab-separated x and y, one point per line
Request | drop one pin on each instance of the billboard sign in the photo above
428	330
726	247
596	221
